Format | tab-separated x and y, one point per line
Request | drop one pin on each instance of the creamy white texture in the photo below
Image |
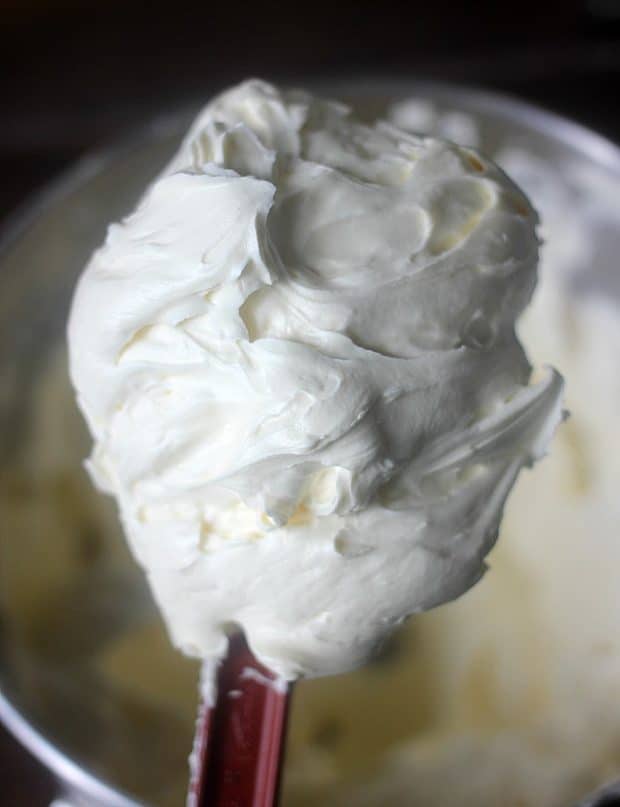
298	362
508	689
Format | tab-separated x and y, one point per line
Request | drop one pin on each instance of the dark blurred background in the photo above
74	75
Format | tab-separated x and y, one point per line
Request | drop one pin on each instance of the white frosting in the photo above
298	362
507	690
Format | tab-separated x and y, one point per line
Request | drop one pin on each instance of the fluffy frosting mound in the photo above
298	362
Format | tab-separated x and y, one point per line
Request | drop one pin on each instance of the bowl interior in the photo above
84	657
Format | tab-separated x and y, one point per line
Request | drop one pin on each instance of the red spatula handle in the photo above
240	740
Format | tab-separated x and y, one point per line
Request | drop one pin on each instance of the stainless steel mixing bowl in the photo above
71	601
